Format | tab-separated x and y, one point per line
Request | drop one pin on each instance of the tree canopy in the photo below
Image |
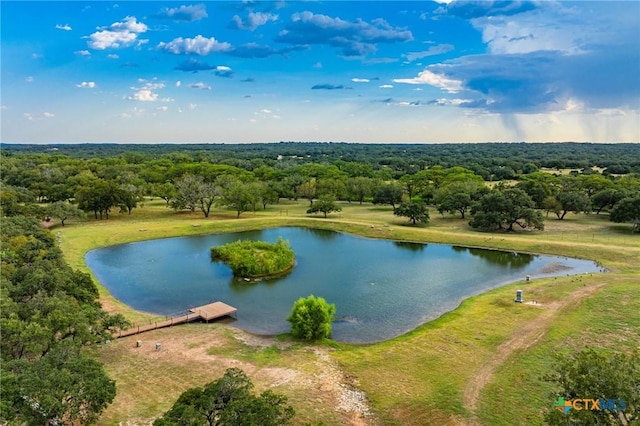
627	210
414	211
48	313
503	209
228	401
611	378
325	205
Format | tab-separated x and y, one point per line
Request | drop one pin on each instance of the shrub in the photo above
311	318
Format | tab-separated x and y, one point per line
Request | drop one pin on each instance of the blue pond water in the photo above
381	288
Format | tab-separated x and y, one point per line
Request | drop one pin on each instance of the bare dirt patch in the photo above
523	338
191	355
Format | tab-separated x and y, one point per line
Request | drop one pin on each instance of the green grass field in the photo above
421	378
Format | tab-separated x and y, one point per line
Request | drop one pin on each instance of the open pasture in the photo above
479	364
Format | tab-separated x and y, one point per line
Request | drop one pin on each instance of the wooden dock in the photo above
206	312
213	310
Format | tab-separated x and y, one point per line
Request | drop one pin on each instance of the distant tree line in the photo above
492	161
69	187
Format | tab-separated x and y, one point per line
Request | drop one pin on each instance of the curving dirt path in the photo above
523	338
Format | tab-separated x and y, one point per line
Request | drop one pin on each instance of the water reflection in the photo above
496	257
415	247
322	234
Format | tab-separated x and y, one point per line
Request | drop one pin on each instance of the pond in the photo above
381	288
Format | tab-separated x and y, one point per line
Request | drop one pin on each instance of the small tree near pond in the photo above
311	318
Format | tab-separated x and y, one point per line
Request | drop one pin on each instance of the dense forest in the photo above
67	181
481	157
50	312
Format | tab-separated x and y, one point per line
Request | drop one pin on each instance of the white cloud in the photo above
254	20
360	80
3	107
193	106
31	117
317	65
185	13
554	26
432	79
82	53
29	79
152	85
386	86
118	34
113	56
454	102
144	95
200	85
163	108
86	85
64	27
147	93
36	56
130	24
198	45
266	111
178	83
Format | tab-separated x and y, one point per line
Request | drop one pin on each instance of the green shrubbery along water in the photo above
255	259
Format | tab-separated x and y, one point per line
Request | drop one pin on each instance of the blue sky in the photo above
359	71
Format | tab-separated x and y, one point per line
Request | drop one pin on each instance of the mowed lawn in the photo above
424	377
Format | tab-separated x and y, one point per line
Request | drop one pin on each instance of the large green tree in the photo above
64	386
608	198
63	210
388	193
627	210
504	209
416	212
572	201
611	378
228	401
100	196
193	192
238	195
359	187
455	202
325	204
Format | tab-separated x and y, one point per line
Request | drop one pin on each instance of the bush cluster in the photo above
254	259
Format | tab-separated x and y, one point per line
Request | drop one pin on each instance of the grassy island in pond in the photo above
256	259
